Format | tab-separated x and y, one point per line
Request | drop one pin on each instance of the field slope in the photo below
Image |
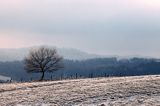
125	91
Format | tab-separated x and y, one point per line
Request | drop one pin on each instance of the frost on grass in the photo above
129	91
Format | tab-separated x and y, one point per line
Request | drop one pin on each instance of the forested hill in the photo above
100	67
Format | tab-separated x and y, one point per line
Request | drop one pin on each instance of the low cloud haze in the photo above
110	27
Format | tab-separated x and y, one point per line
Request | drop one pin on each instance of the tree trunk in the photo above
42	77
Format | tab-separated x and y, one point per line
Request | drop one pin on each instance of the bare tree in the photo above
43	59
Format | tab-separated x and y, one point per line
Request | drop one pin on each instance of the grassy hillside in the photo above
129	91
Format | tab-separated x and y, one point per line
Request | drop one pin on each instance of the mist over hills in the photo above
15	54
18	54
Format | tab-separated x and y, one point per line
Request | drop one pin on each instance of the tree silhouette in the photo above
43	59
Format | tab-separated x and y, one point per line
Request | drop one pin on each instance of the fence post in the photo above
91	75
76	76
21	79
31	79
61	77
51	77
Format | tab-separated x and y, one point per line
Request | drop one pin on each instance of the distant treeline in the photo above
100	67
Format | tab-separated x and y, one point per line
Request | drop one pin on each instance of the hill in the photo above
124	91
19	54
99	67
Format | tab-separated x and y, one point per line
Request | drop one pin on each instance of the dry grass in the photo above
124	91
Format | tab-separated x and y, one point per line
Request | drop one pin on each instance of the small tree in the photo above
43	59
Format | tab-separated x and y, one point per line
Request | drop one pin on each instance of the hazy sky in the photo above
111	27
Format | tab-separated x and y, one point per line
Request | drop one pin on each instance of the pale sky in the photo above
110	27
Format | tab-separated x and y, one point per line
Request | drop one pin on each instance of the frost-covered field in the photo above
125	91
